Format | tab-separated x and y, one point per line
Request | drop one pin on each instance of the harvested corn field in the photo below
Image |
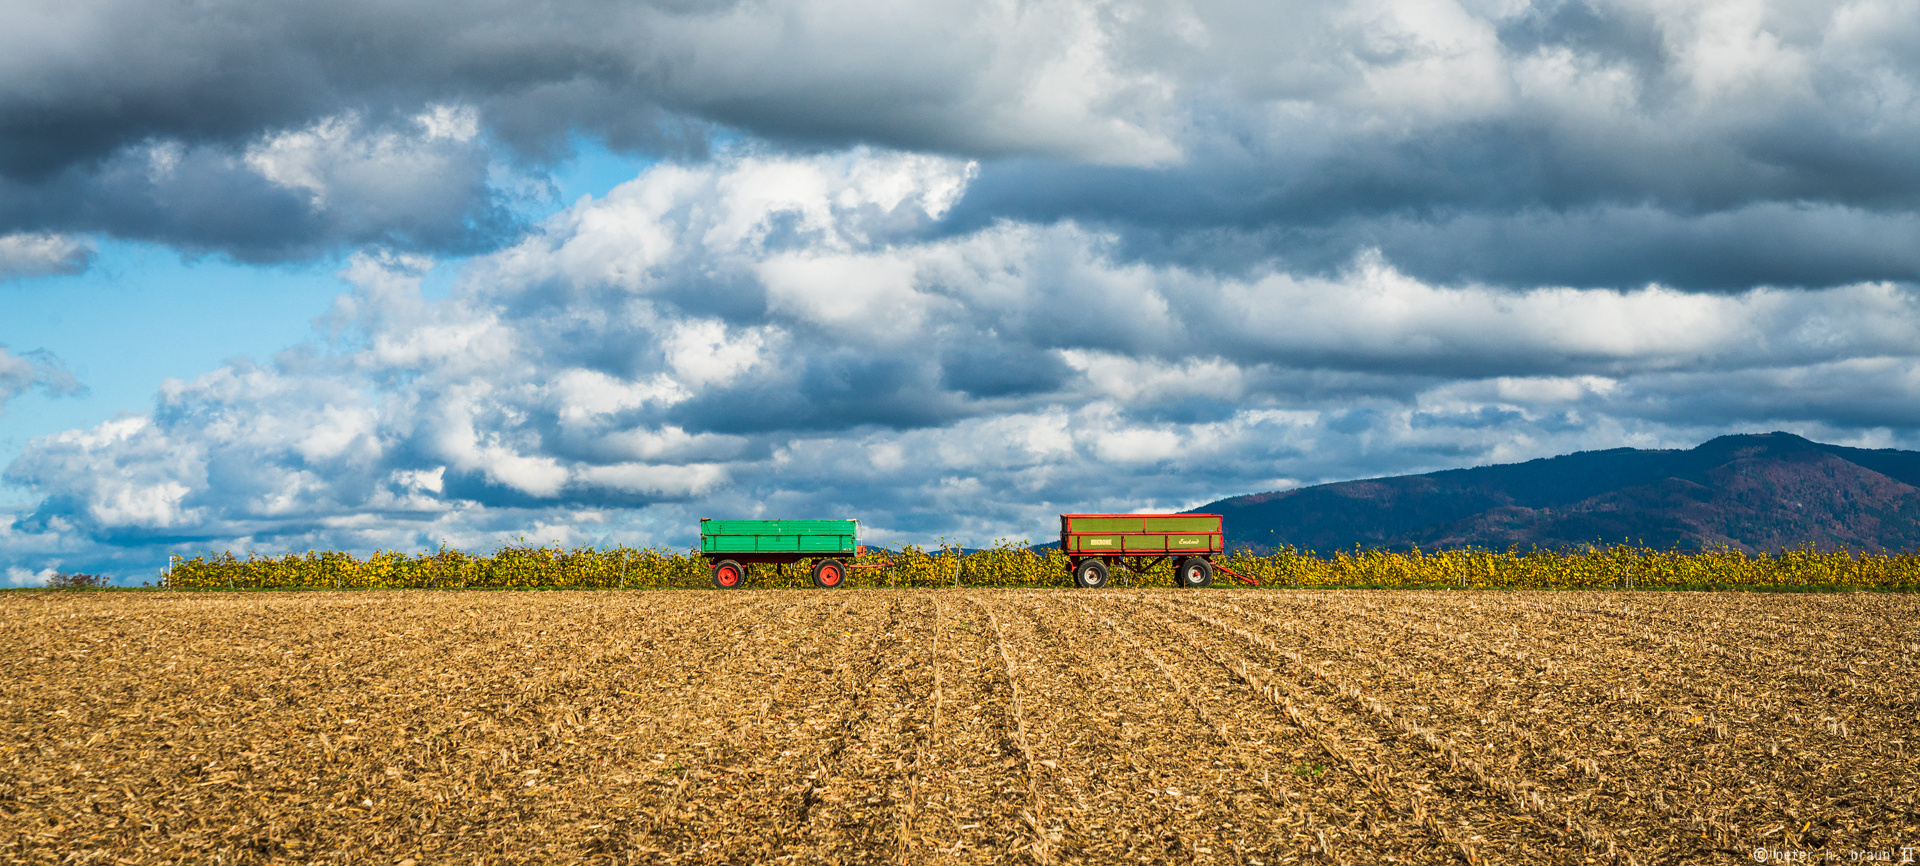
969	726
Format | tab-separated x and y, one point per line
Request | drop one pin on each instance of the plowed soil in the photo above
950	726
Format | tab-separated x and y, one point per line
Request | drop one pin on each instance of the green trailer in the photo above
1094	542
730	545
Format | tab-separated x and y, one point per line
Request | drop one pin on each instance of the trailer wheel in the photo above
1090	573
1194	572
829	573
728	574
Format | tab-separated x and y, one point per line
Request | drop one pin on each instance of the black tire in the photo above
1090	574
1193	572
829	573
728	574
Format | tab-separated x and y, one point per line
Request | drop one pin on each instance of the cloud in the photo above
768	334
17	576
1607	143
39	255
1789	245
420	182
38	369
94	77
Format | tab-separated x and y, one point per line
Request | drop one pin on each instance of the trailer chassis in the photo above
729	570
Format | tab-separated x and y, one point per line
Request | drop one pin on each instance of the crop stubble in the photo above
942	726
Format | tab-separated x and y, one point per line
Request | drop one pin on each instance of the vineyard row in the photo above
1008	564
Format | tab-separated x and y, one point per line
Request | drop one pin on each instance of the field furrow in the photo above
1630	732
1261	792
1403	767
974	791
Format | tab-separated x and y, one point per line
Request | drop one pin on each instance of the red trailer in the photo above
1092	542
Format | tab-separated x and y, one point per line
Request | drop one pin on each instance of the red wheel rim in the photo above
830	575
728	576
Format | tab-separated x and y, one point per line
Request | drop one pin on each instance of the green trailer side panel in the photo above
1105	524
778	544
1098	543
1183	524
729	543
1145	543
1202	543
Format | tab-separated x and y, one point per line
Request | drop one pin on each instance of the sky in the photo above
278	277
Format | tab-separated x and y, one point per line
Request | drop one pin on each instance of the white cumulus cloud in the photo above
37	254
767	335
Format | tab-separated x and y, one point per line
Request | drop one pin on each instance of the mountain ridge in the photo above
1753	492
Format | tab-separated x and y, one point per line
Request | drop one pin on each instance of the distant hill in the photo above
1753	492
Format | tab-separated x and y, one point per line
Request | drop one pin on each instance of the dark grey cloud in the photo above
1211	133
1621	33
1791	245
1475	223
91	78
92	89
294	194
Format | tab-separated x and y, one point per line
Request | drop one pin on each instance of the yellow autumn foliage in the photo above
1014	564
